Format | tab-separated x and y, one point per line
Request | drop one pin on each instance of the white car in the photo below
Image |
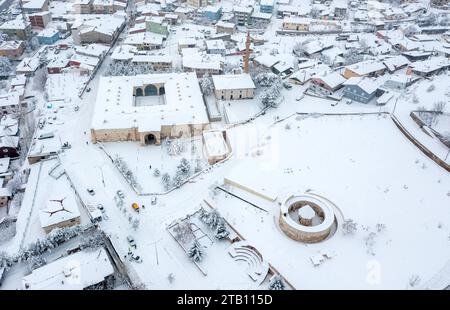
131	242
300	97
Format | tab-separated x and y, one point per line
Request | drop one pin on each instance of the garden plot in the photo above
398	197
150	165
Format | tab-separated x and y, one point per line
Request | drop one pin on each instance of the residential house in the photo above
326	84
233	86
340	8
5	196
104	30
34	6
9	147
305	74
57	65
172	19
107	6
145	41
157	24
395	63
258	17
242	14
19	27
399	82
212	13
40	19
59	214
430	66
78	271
370	68
417	55
82	6
360	89
28	65
197	3
157	62
11	49
10	102
193	62
296	23
186	43
48	36
266	6
298	10
225	27
282	68
216	47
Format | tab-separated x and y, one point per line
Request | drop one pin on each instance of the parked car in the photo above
47	135
100	207
90	191
136	258
348	101
287	85
300	97
334	103
131	242
153	201
120	194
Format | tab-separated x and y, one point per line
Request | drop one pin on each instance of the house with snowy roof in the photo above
266	6
78	271
212	13
157	24
233	86
370	68
304	74
216	47
399	82
395	63
296	23
225	27
145	40
104	30
34	6
326	84
60	211
48	36
11	49
243	14
360	89
200	64
19	27
430	66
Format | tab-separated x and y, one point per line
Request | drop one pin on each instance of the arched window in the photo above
150	90
162	91
139	92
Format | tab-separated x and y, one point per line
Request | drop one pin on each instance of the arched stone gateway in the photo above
150	139
139	92
150	90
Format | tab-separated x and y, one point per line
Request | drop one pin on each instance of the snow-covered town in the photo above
224	144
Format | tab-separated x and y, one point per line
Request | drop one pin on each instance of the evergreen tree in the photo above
195	252
276	283
222	231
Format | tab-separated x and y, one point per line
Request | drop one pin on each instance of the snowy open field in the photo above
375	176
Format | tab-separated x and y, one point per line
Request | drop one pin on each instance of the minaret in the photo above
247	52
